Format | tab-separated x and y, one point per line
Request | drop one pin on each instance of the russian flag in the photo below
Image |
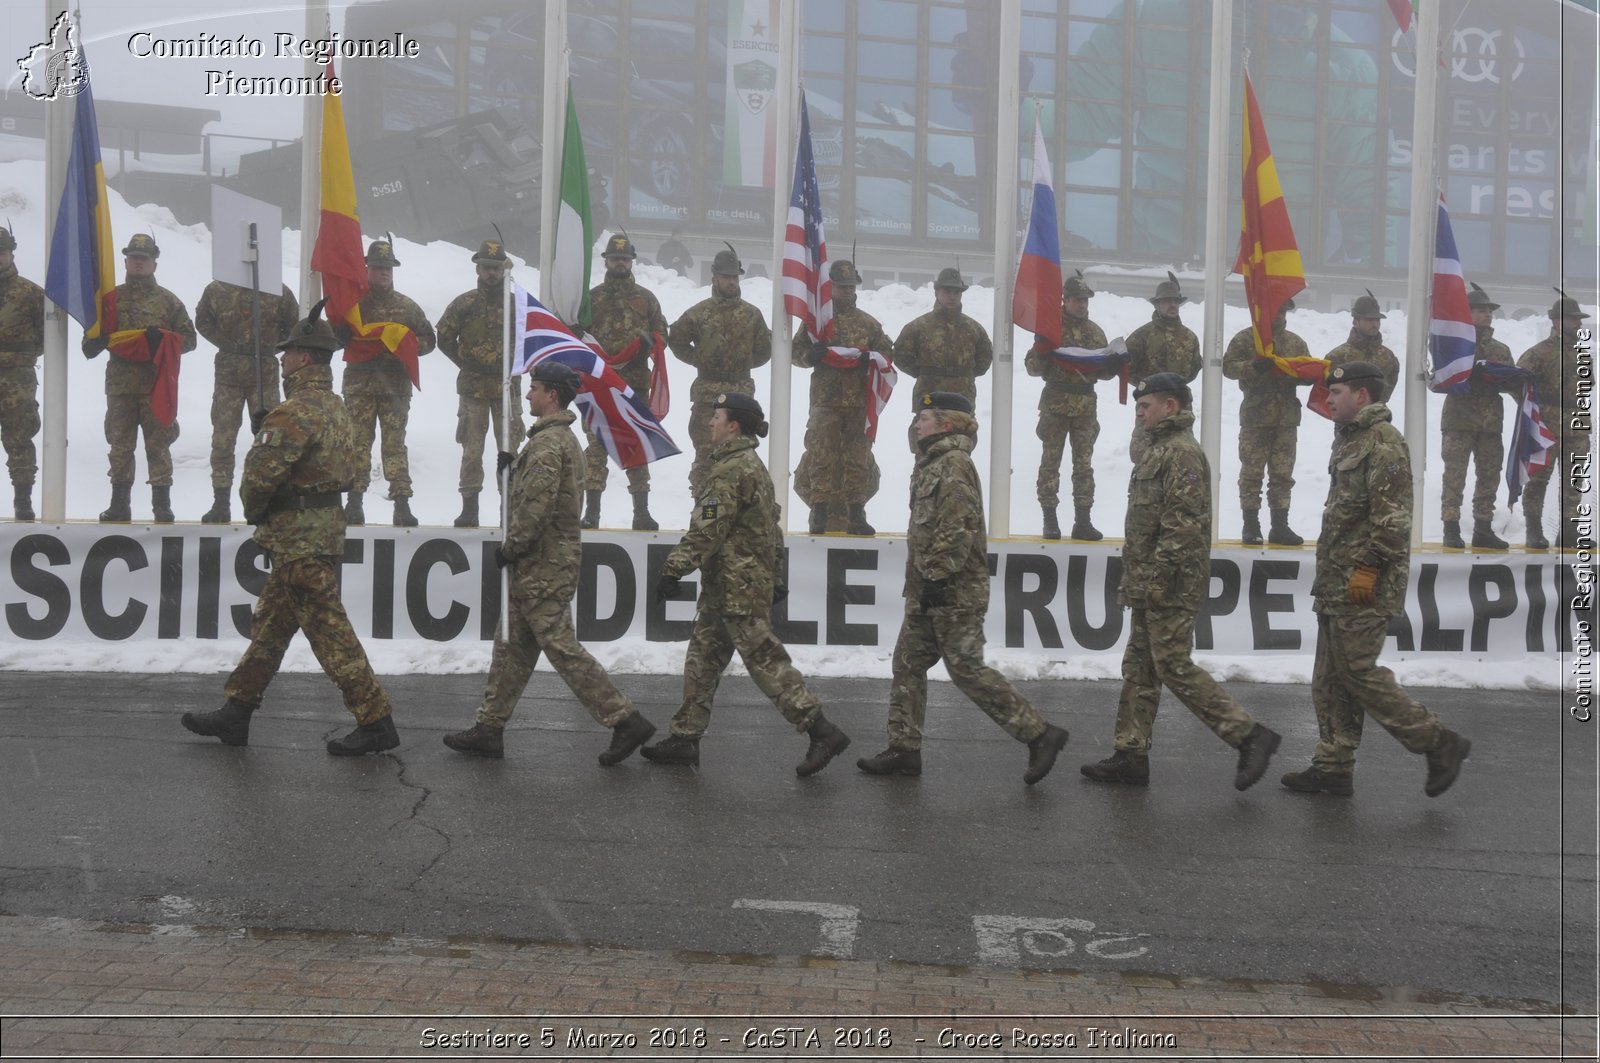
1036	297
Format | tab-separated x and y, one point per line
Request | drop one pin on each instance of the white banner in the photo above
749	145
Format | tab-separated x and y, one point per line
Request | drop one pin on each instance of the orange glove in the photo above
1364	585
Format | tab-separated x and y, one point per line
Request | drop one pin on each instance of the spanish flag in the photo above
82	270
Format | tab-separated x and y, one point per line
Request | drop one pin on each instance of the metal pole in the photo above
1009	111
1217	259
255	315
317	26
553	135
504	475
1419	258
53	452
780	388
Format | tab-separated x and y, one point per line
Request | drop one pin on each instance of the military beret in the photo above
1162	384
142	244
950	277
843	271
550	371
492	253
944	400
7	241
1353	372
738	402
381	253
619	246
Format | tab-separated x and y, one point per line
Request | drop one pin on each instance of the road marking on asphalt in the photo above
1004	939
839	922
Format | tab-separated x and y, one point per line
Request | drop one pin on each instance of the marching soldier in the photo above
1363	560
1471	426
1067	411
1164	344
944	349
1366	344
837	473
472	335
1166	565
377	389
735	542
1558	365
1269	421
223	317
542	550
291	486
724	338
947	595
142	376
21	344
630	328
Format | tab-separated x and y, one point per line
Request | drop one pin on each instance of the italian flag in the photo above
566	282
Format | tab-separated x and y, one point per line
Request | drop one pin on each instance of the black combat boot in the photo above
858	522
1124	766
1042	753
893	761
1444	763
1052	526
591	510
642	520
674	749
1082	528
827	742
1452	535
403	517
355	514
22	507
479	740
372	737
1254	753
819	520
1281	534
1534	541
231	723
1316	781
1251	536
220	511
121	508
469	510
161	505
1484	538
627	736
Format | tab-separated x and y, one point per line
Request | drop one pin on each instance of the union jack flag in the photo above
1452	338
610	409
807	291
1532	443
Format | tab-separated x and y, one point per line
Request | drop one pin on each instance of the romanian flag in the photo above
82	269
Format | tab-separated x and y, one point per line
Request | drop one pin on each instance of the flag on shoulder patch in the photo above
269	437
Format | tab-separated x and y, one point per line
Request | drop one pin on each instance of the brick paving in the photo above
79	989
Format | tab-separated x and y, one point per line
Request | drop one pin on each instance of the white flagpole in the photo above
1005	266
1419	268
53	451
1217	261
317	25
781	381
505	444
554	136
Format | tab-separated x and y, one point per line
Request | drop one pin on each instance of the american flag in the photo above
881	378
1532	445
807	291
610	409
1452	338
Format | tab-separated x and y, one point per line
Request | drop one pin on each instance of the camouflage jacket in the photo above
946	538
1066	391
1166	555
542	538
21	320
946	351
1482	407
223	318
142	303
724	338
1359	348
844	389
1554	363
1269	396
621	311
305	447
1163	345
1367	518
385	375
472	335
733	538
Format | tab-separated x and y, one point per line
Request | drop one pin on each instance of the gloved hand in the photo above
152	336
256	417
92	348
1364	585
668	588
819	351
500	558
935	593
502	462
780	591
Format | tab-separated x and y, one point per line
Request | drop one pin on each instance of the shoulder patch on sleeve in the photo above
708	509
269	437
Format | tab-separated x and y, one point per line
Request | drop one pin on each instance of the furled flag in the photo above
1452	337
1532	445
1403	11
1036	296
566	282
611	409
807	291
82	267
881	378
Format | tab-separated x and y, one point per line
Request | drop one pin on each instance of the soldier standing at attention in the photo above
735	542
1558	365
472	335
542	549
291	486
1363	560
223	318
947	595
139	366
1164	344
1470	428
945	349
21	344
1366	344
837	473
377	389
1067	412
1166	566
724	338
1269	422
630	328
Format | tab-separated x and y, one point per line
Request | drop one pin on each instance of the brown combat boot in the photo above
372	737
627	736
22	505
220	511
1251	536
479	740
1444	763
1281	534
1052	524
1082	528
674	749
819	520
403	517
1124	766
1315	781
1534	541
231	723
893	761
1452	536
642	520
858	522
121	509
1484	538
591	510
1254	753
1042	753
827	742
469	510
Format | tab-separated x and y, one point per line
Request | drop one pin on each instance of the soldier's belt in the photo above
479	369
1076	389
302	503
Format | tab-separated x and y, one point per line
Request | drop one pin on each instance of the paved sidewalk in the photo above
81	989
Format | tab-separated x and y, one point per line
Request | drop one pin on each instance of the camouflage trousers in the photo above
544	625
1269	450
1487	452
711	645
228	403
1054	430
1573	450
473	419
19	422
956	637
126	417
369	412
303	595
1346	684
596	469
1158	654
837	467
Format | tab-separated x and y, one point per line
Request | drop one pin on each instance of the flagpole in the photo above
504	475
781	380
1218	260
53	452
553	136
310	288
1419	257
1008	117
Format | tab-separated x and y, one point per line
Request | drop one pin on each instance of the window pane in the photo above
886	18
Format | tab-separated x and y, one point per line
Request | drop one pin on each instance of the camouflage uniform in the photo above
947	541
303	457
622	312
377	393
1269	416
1555	362
471	335
1161	345
1166	567
1068	410
1367	521
1471	425
223	318
21	343
544	551
735	542
724	338
946	351
141	303
1359	348
837	467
